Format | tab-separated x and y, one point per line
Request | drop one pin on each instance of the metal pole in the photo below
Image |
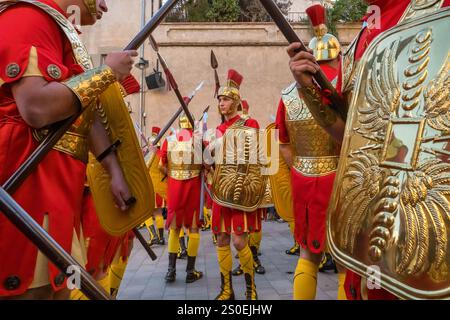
49	247
142	93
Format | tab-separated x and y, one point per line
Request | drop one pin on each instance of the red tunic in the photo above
55	188
310	195
391	12
235	221
183	196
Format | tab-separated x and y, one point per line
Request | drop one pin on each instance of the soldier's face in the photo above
227	105
87	18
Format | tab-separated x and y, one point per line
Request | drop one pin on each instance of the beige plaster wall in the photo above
256	50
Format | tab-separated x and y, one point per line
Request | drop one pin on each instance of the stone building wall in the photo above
256	50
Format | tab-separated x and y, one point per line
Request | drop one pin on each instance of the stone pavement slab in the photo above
144	278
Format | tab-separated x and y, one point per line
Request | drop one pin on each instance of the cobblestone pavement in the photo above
144	279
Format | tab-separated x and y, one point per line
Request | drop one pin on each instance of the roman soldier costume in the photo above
183	165
237	190
156	237
315	157
42	45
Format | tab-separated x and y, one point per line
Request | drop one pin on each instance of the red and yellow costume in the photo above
37	47
178	156
159	202
228	215
230	220
314	164
315	158
183	194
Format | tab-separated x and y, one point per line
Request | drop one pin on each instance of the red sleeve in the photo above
163	153
21	27
329	71
280	123
252	123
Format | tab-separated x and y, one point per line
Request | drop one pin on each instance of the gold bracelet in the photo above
322	113
90	84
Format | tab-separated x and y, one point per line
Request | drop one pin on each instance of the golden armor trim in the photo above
267	201
391	202
308	139
183	174
316	166
418	8
90	84
79	50
182	161
91	6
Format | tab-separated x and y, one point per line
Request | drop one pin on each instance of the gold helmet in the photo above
231	89
183	122
155	132
91	6
325	46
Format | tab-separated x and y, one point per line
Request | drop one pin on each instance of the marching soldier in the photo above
42	82
157	218
391	61
179	163
312	156
235	204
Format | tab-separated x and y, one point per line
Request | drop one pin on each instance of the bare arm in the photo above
286	152
99	142
41	103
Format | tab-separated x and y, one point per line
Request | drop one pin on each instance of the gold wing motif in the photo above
240	183
362	184
426	211
383	95
437	99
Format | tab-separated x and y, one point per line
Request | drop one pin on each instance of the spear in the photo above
175	116
202	176
272	9
215	65
173	84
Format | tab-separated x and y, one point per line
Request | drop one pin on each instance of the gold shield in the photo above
159	185
117	121
280	182
238	181
389	218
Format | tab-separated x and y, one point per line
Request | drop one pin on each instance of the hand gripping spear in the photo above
272	9
23	221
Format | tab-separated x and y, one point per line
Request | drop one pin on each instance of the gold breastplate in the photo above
315	153
182	164
74	141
